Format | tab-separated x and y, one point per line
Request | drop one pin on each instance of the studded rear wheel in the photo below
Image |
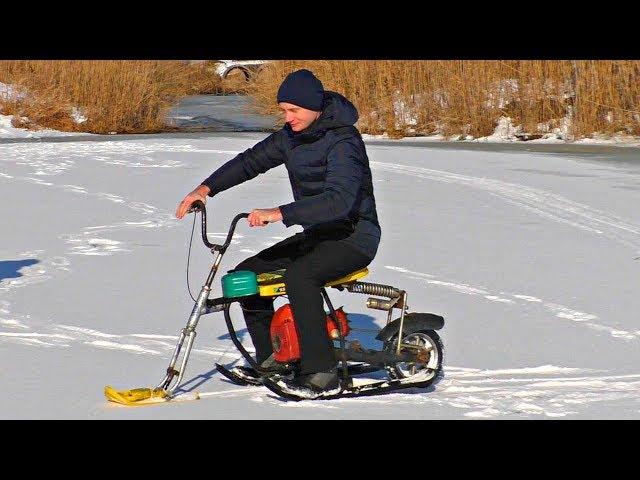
428	342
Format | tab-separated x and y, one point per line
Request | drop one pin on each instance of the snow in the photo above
78	115
10	92
8	131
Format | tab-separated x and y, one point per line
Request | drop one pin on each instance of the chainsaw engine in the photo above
284	334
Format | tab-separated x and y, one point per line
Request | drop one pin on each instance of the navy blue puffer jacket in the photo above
329	173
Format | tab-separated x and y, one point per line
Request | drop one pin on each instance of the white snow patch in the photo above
87	331
527	298
234	392
564	312
486	413
494	298
78	115
12	323
34	335
146	335
7	130
541	370
122	346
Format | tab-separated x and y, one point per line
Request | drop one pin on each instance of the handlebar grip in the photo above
196	206
199	206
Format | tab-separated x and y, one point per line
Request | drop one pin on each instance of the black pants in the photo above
310	263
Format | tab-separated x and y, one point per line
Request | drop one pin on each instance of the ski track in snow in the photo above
543	391
61	335
540	202
50	159
546	391
559	311
53	158
87	243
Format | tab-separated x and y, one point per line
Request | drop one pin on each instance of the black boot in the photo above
269	367
317	382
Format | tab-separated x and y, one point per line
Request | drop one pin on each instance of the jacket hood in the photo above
337	112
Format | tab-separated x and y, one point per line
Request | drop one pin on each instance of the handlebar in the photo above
198	206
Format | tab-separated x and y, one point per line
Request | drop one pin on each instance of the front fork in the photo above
189	333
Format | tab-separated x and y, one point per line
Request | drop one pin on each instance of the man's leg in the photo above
304	279
258	312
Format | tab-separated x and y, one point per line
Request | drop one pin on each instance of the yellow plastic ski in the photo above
137	396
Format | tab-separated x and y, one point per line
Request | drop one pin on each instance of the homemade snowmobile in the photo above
413	362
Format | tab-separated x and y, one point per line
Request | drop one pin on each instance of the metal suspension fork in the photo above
404	303
189	333
345	370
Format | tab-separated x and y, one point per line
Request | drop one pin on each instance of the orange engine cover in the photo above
284	334
332	329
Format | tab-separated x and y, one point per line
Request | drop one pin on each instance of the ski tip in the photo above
136	396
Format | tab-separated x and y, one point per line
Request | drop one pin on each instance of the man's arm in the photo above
258	159
345	171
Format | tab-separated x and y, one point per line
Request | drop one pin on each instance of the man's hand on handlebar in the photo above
199	193
262	216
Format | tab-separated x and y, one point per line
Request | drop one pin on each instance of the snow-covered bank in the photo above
7	131
506	132
230	113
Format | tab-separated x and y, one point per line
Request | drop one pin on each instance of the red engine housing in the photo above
284	334
332	328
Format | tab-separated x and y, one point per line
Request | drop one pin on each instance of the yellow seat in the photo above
271	284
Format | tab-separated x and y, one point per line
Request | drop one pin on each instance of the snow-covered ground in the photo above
531	256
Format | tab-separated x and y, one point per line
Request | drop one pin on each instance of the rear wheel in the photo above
426	371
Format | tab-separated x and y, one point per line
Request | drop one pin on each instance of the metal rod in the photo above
404	302
376	357
185	359
389	316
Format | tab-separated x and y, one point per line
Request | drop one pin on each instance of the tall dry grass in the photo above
468	97
122	96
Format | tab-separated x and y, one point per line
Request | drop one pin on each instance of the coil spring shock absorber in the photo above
392	293
397	299
374	289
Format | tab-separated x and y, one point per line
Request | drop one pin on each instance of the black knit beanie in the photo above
302	88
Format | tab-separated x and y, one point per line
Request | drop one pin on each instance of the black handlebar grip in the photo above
196	206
